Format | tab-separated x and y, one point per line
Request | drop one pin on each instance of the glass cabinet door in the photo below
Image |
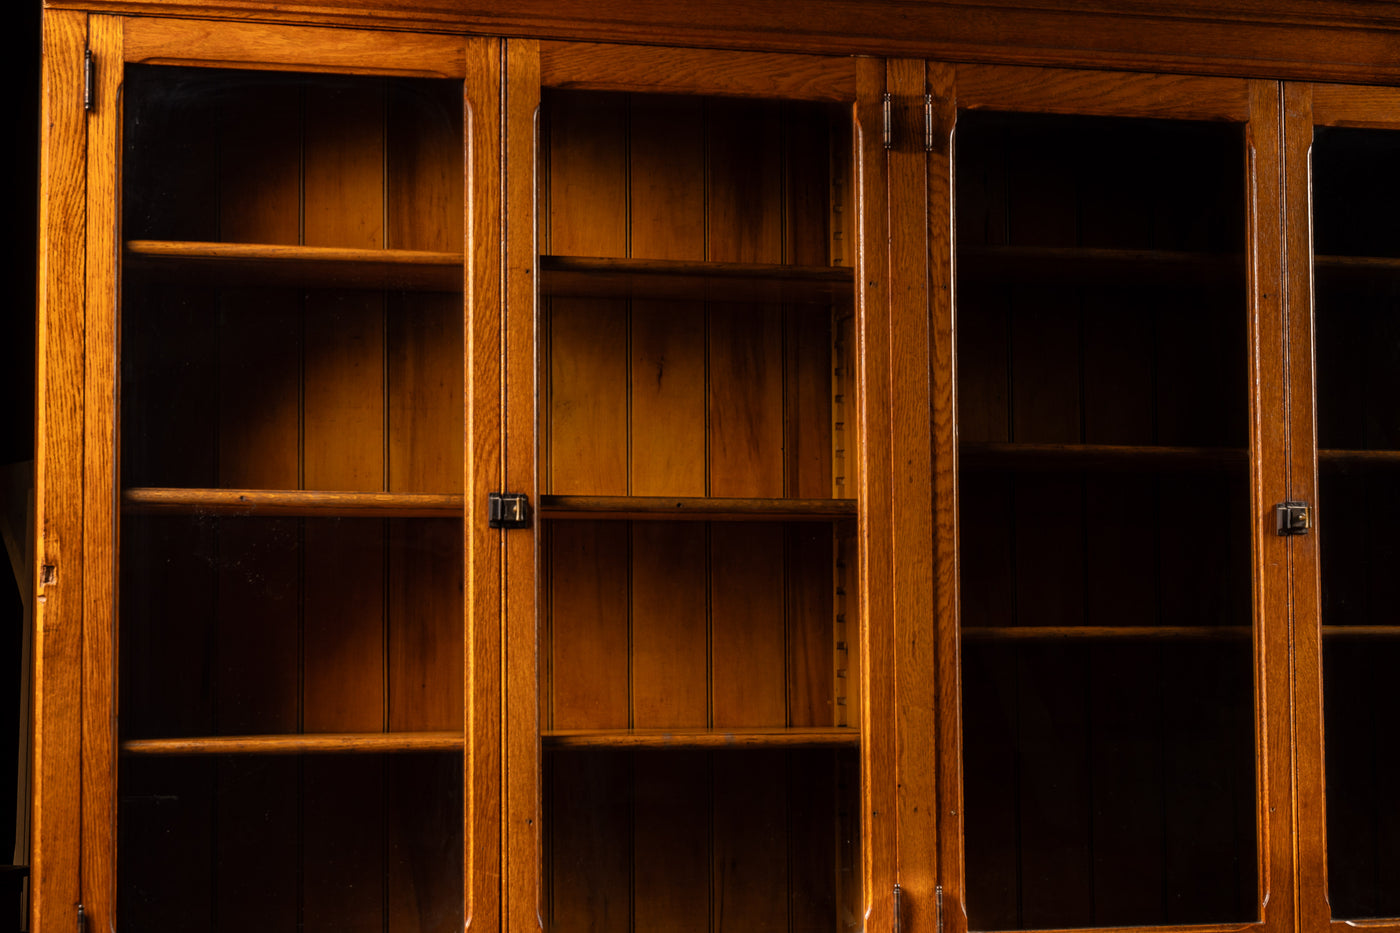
697	597
1348	630
290	611
1111	627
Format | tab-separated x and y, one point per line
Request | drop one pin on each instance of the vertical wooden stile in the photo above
1269	484
521	874
946	732
873	289
483	648
99	499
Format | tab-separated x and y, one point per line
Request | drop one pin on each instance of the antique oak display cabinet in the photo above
915	467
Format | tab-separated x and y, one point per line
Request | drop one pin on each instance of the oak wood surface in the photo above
696	508
303	502
272	265
99	559
520	748
693	280
719	737
58	480
875	545
302	743
267	46
659	70
482	470
1348	41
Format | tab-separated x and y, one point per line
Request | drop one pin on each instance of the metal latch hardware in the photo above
1292	518
89	81
508	510
889	120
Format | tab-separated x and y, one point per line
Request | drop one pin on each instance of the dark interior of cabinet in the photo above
1108	724
697	627
297	624
1356	195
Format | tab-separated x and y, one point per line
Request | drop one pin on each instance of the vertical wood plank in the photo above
589	626
342	851
878	804
424	843
912	445
519	351
810	599
424	165
483	651
259	139
747	625
669	600
343	181
587	172
671	850
590	829
98	560
750	856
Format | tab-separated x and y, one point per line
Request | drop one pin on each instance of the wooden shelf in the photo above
776	737
1358	458
266	265
307	503
308	743
1034	633
1081	264
1098	457
1358	268
670	508
694	281
1037	633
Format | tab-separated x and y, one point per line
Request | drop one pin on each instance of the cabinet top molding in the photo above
1302	39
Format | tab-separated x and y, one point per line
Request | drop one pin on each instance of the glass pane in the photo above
697	683
1107	672
1357	326
291	544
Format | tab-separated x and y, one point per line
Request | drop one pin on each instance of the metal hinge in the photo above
889	121
1292	518
938	906
82	920
89	81
508	510
896	907
928	123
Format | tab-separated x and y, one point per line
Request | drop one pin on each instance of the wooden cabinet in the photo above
520	481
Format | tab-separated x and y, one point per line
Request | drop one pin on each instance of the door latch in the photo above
508	510
1292	518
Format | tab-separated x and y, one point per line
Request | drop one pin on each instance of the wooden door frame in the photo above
1307	106
1257	106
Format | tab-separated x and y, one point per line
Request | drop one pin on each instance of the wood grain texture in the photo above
272	47
1347	42
912	447
58	480
1269	481
308	266
99	554
521	804
1345	105
1095	93
483	651
945	609
301	744
660	70
878	853
303	502
718	738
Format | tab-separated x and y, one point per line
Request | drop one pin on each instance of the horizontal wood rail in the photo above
1099	456
307	503
1377	458
1048	633
266	264
308	743
664	508
1097	266
718	738
694	281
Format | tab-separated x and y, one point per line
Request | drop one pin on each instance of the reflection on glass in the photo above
1356	194
1105	560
